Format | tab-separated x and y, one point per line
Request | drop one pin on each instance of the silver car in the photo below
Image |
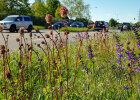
14	22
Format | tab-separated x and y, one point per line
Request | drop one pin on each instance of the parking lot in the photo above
13	45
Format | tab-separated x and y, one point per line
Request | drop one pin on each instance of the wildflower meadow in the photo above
102	66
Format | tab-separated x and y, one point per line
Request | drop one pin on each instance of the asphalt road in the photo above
13	45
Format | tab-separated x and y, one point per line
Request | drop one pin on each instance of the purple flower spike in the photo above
118	61
120	68
139	86
138	44
138	69
120	55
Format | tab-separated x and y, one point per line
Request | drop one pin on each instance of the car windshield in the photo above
75	23
127	24
9	19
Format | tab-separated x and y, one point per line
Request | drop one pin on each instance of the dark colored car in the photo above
77	24
125	26
100	25
58	25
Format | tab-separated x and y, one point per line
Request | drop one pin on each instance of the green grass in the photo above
75	29
39	27
105	82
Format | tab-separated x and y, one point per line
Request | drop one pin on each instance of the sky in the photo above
120	10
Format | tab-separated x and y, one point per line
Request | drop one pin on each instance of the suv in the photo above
14	22
77	24
58	25
99	25
125	26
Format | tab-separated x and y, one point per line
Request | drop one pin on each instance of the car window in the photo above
27	19
19	19
9	19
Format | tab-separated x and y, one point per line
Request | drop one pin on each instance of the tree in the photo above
77	8
3	7
17	6
112	22
39	9
57	12
52	6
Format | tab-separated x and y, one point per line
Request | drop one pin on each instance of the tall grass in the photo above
63	70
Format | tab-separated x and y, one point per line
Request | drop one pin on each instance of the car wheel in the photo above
12	28
30	28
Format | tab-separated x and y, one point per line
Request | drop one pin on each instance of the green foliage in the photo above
77	8
138	24
103	81
57	12
14	7
39	9
52	6
75	29
112	22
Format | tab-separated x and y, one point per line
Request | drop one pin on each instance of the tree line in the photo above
77	8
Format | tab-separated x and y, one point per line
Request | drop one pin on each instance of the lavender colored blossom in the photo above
138	69
118	61
120	68
90	54
120	55
138	44
126	87
139	86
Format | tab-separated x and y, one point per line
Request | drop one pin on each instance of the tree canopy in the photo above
112	22
77	8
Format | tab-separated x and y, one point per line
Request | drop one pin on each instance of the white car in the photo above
14	22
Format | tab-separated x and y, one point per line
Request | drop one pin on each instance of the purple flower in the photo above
117	50
124	61
120	55
126	87
118	61
120	68
138	44
138	69
139	86
90	54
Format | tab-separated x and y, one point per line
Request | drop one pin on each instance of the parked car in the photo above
100	25
14	22
77	24
58	25
125	26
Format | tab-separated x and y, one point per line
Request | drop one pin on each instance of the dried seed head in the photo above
17	39
3	51
38	45
36	29
30	48
51	33
19	64
30	34
47	36
39	59
38	36
48	18
21	31
42	42
1	28
66	33
63	11
9	76
2	47
49	27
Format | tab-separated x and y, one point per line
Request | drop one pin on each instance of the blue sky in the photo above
121	10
